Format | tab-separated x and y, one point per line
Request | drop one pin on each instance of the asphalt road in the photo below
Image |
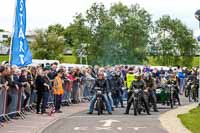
115	123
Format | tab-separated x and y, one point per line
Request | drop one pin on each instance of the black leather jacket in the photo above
115	83
138	85
102	84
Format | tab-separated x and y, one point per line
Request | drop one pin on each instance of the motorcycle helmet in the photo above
137	76
113	74
147	75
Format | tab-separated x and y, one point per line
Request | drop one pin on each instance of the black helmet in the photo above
113	74
137	76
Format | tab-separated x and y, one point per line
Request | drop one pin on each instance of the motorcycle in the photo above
167	94
188	88
100	107
191	91
137	102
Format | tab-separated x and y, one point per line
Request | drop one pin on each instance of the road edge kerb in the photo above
172	123
43	127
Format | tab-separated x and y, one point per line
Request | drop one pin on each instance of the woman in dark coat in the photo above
42	86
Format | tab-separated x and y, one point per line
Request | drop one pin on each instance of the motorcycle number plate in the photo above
98	92
136	90
158	91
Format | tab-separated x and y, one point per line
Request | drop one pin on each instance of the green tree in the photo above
175	40
47	45
117	35
77	34
7	42
134	24
57	28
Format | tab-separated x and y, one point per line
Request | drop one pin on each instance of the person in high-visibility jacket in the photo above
129	78
58	90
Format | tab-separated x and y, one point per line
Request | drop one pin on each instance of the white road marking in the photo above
117	116
103	128
108	123
137	128
80	128
119	128
23	126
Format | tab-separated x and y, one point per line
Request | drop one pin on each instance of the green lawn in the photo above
191	120
73	60
154	62
69	59
4	58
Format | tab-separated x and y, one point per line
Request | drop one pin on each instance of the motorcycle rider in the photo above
138	83
150	87
193	85
108	77
173	80
116	85
102	83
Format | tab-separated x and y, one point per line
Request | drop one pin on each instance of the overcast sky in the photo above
41	13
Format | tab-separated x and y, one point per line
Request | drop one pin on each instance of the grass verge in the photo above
4	58
191	120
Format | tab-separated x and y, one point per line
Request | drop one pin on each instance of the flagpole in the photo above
14	17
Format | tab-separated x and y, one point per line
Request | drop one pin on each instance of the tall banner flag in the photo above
20	52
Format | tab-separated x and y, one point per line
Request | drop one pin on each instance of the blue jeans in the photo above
51	96
42	96
12	108
181	85
33	97
45	100
69	96
75	88
125	95
93	100
110	99
64	97
1	101
117	97
86	92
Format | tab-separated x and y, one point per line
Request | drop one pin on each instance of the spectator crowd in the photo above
38	87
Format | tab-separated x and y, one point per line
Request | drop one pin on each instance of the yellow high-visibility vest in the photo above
129	79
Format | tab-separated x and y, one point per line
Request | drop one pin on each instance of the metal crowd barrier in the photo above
14	98
11	100
87	87
2	104
10	104
78	91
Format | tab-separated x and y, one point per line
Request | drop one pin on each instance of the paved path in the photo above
34	123
172	123
75	120
116	123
